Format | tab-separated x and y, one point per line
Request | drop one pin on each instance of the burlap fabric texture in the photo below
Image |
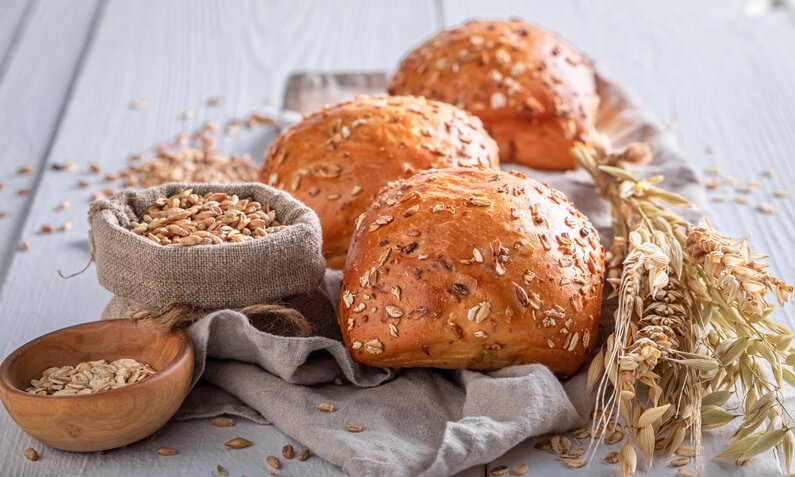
185	283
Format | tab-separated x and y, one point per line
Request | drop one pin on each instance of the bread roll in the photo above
336	160
472	268
535	92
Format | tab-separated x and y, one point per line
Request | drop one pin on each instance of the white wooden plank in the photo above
34	86
723	77
176	55
12	24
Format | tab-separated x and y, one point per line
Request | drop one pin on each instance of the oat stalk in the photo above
693	328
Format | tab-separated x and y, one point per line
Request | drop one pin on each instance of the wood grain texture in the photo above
13	22
33	88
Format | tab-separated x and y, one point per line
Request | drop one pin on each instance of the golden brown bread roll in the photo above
336	160
472	268
535	92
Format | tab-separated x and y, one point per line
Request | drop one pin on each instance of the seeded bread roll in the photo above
336	160
471	268
535	92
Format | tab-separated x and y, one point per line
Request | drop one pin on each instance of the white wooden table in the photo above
723	70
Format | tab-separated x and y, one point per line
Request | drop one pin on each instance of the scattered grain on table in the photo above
766	208
273	461
720	198
238	443
31	454
223	422
166	451
288	451
519	469
304	455
139	104
499	470
25	170
713	171
221	470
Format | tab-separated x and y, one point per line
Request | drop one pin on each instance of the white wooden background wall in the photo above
723	70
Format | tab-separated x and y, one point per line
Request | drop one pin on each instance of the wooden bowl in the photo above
108	419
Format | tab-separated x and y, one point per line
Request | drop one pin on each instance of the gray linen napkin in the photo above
417	421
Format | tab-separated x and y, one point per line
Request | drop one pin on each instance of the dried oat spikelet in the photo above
691	331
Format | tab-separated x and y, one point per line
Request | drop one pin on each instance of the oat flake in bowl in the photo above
89	377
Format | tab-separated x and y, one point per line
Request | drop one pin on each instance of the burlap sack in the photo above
247	276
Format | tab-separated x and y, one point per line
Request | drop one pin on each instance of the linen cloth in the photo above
420	422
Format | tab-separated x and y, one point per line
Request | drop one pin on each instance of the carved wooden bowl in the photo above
103	420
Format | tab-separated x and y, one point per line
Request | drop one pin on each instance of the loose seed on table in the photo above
238	443
139	104
288	451
24	246
24	191
766	208
273	461
63	205
95	168
25	170
66	225
47	228
354	428
221	470
304	455
499	470
223	422
519	469
82	183
31	454
165	451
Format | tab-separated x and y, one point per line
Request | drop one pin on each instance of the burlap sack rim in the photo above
173	187
110	216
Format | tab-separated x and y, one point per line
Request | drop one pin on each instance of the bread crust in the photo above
336	160
472	268
535	92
